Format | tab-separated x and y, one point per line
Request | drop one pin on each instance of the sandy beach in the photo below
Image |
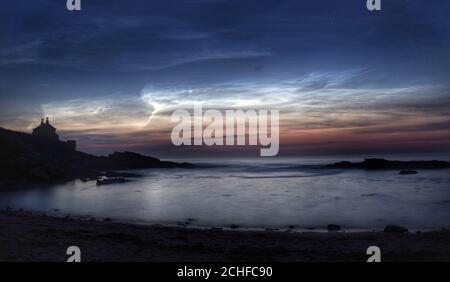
32	237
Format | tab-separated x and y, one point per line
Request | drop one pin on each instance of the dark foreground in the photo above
25	237
26	158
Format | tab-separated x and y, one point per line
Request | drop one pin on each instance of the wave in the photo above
285	176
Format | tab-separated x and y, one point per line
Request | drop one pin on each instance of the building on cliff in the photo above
47	131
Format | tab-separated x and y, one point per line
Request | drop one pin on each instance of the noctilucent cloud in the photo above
345	79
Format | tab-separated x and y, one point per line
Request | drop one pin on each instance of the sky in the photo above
345	80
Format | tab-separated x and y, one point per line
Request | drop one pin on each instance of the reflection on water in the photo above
255	194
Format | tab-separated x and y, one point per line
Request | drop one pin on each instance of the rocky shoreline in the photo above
382	164
35	237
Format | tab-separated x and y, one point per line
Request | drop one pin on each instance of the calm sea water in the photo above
271	193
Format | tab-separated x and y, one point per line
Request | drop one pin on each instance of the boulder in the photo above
405	172
391	228
333	227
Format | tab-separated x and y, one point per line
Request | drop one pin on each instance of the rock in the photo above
405	172
395	229
333	227
234	226
377	164
128	160
107	219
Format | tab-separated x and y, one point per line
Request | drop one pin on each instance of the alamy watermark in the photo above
228	128
74	254
75	5
373	5
375	254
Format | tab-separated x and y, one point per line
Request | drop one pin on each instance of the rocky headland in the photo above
27	158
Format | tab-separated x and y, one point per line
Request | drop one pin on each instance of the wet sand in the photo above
28	237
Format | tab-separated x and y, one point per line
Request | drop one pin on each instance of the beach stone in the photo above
333	227
406	172
391	228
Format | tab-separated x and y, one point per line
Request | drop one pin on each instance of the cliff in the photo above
24	157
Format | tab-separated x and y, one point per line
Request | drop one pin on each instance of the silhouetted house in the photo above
47	131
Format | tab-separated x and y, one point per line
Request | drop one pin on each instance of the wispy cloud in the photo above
318	100
328	67
101	114
315	101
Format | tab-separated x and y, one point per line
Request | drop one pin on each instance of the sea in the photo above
295	194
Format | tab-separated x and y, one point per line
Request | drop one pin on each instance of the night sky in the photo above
346	80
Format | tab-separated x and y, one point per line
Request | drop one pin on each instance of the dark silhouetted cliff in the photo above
24	157
372	164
